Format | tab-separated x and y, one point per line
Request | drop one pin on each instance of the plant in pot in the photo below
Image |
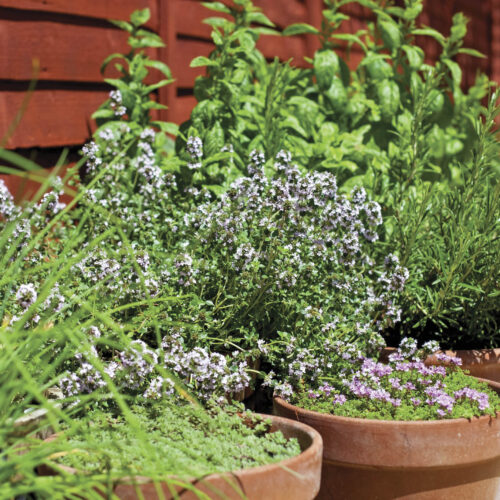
405	130
167	441
400	428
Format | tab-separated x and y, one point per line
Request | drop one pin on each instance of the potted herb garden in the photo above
401	428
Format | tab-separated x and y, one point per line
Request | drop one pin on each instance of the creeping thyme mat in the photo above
403	389
182	440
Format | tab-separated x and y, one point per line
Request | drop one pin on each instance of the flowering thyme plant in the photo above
402	389
281	261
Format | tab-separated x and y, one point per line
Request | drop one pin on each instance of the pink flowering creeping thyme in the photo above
403	389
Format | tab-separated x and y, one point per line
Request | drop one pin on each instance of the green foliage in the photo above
132	96
183	440
397	125
450	242
237	79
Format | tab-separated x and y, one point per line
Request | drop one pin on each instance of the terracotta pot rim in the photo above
394	423
305	455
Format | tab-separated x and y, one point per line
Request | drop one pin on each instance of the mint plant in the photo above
131	99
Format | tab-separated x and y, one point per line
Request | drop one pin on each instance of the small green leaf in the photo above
200	61
103	113
471	52
156	85
218	22
429	32
217	7
122	25
109	59
167	127
259	17
160	66
300	29
455	70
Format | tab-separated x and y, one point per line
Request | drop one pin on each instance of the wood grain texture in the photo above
66	52
52	117
100	9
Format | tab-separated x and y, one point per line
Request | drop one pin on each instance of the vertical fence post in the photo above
168	94
314	15
495	40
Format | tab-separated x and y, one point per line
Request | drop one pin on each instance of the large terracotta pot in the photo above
482	363
381	460
297	478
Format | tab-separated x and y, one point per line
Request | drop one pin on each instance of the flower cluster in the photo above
144	370
405	388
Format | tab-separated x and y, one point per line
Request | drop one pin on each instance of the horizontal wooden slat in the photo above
52	117
66	52
101	9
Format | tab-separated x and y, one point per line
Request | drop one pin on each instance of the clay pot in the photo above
297	478
381	460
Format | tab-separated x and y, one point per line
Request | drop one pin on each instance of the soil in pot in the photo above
378	459
272	459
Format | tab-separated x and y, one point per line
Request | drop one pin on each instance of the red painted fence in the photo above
68	39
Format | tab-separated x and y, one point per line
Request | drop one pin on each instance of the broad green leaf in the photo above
458	28
337	95
377	67
300	29
390	33
247	42
388	98
140	17
348	37
415	56
326	66
265	31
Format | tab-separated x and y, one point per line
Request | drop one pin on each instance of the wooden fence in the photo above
65	41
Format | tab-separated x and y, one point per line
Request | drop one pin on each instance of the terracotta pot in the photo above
381	460
297	478
482	363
